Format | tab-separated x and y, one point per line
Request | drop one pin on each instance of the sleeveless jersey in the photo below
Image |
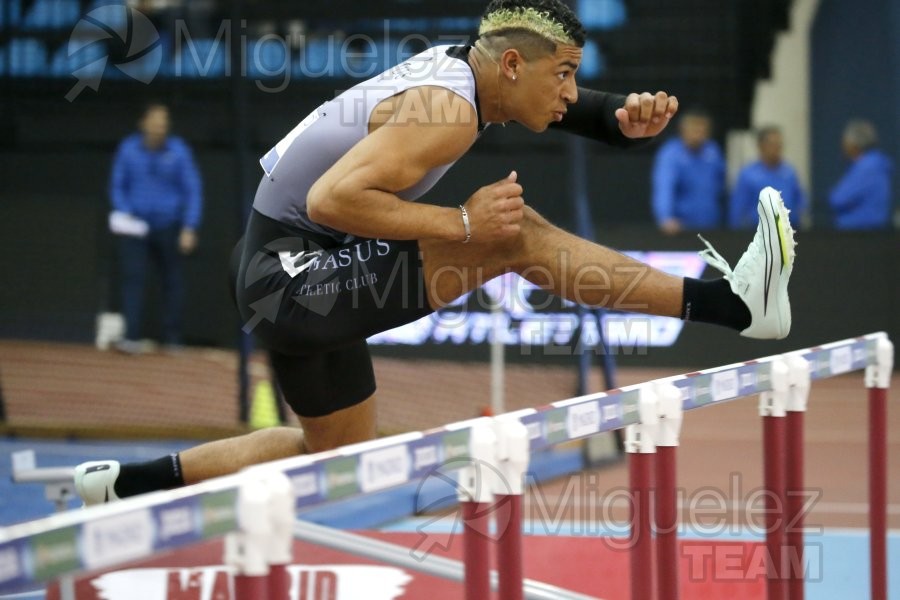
332	129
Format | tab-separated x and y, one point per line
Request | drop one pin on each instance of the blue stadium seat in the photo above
408	25
99	3
63	65
320	57
268	58
14	8
67	13
602	14
40	16
202	58
52	14
111	16
28	58
363	58
593	63
467	25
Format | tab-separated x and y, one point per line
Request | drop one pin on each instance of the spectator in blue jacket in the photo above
862	198
689	177
769	170
156	185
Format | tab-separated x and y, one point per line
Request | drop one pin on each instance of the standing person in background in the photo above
862	198
154	183
770	170
689	178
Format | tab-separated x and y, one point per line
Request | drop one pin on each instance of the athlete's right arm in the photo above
427	127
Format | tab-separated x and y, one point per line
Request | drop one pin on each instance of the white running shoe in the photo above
761	276
94	481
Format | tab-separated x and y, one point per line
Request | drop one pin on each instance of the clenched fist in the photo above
496	210
646	115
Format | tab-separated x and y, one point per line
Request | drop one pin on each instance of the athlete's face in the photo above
547	87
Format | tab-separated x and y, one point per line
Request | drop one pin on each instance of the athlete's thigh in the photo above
321	383
451	269
331	393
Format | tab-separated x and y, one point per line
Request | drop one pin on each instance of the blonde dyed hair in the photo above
525	19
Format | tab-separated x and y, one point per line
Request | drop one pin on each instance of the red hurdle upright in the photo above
773	410
878	378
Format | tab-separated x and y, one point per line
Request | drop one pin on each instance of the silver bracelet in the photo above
465	218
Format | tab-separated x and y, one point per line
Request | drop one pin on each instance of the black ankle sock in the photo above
139	478
714	302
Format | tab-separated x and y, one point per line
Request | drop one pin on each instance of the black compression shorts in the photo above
313	301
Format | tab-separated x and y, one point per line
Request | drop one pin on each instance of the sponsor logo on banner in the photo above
425	456
748	380
583	419
383	468
610	411
340	477
175	522
629	402
334	582
702	389
55	552
764	376
305	484
823	363
10	566
556	425
219	513
456	444
859	356
117	539
686	391
724	385
841	360
535	424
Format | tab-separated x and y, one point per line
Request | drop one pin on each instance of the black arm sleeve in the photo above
594	117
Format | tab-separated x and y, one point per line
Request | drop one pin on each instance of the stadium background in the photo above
806	65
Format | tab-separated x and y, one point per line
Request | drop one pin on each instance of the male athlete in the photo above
337	250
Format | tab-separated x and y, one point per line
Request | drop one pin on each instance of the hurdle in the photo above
58	483
255	509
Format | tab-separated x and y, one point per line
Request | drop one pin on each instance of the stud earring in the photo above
515	77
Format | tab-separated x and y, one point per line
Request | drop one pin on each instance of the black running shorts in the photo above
313	301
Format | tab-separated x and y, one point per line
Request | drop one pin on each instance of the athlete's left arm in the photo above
618	120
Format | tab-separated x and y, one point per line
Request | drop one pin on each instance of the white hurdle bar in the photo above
385	463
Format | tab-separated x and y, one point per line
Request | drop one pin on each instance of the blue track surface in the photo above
24	502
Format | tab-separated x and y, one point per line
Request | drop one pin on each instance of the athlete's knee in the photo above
533	219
